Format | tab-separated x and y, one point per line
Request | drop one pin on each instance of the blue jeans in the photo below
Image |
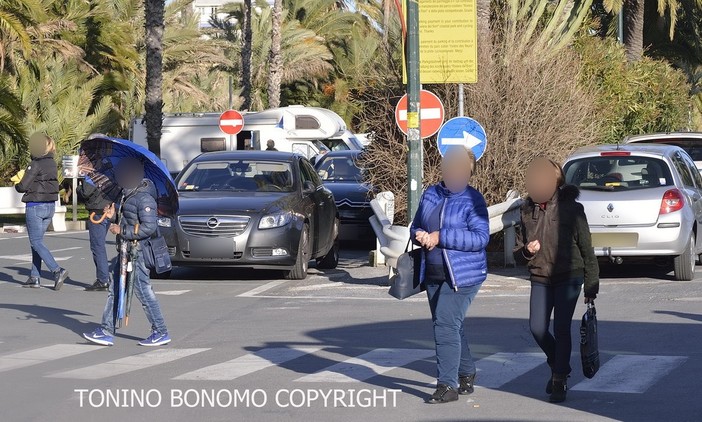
448	311
38	219
560	299
143	292
98	233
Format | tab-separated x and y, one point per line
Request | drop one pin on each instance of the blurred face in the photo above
542	180
38	144
129	173
456	169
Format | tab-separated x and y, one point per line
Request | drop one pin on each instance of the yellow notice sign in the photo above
448	47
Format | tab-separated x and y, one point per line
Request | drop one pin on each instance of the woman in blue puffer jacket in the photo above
452	227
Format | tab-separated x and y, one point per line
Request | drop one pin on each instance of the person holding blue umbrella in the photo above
136	221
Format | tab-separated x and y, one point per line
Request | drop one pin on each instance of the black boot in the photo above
549	384
465	385
443	394
559	388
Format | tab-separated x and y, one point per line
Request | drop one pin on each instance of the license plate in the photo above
615	240
216	248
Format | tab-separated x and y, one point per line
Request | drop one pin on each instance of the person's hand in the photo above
109	211
433	240
533	247
422	237
589	300
115	229
17	177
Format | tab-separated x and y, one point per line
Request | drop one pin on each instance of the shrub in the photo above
529	102
633	98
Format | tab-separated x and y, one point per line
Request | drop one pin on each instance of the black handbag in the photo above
156	256
589	352
406	281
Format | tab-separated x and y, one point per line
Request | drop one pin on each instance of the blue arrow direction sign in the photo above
462	131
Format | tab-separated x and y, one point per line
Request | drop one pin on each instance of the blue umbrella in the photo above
99	155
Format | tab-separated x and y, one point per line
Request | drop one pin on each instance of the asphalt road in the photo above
250	347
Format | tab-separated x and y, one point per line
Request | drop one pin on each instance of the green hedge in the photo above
633	98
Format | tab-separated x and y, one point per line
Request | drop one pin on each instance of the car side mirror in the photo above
308	187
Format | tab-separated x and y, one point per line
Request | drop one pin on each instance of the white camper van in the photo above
296	129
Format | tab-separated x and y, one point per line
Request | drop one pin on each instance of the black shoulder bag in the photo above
406	281
589	351
156	256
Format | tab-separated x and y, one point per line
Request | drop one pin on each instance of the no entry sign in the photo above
431	113
231	122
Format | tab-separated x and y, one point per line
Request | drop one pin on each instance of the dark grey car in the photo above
253	209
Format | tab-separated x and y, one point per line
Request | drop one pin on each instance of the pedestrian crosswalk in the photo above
618	374
127	364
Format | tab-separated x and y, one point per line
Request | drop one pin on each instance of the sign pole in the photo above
414	141
460	100
231	101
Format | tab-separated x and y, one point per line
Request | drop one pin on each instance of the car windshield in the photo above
336	144
237	176
618	173
339	169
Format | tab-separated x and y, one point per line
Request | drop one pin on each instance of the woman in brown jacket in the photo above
554	240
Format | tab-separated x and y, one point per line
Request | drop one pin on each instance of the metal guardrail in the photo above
393	239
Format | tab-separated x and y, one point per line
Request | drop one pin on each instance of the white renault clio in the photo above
641	200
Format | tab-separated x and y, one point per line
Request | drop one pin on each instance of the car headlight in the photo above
275	220
164	222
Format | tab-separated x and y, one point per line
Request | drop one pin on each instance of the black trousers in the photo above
559	299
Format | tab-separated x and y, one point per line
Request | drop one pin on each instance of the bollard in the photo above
386	200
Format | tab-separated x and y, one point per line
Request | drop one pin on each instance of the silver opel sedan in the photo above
641	201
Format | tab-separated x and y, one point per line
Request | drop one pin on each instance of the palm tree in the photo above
275	62
633	28
12	131
16	16
246	51
153	107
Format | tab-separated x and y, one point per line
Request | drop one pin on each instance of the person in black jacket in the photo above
554	239
95	203
39	183
137	220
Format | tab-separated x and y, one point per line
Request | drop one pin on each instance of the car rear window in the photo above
693	146
339	169
618	173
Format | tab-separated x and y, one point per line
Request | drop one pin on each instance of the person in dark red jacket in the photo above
452	227
554	240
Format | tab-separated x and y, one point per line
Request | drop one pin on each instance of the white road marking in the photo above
173	292
43	354
630	373
367	365
261	289
47	234
128	364
418	298
247	364
28	257
496	370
